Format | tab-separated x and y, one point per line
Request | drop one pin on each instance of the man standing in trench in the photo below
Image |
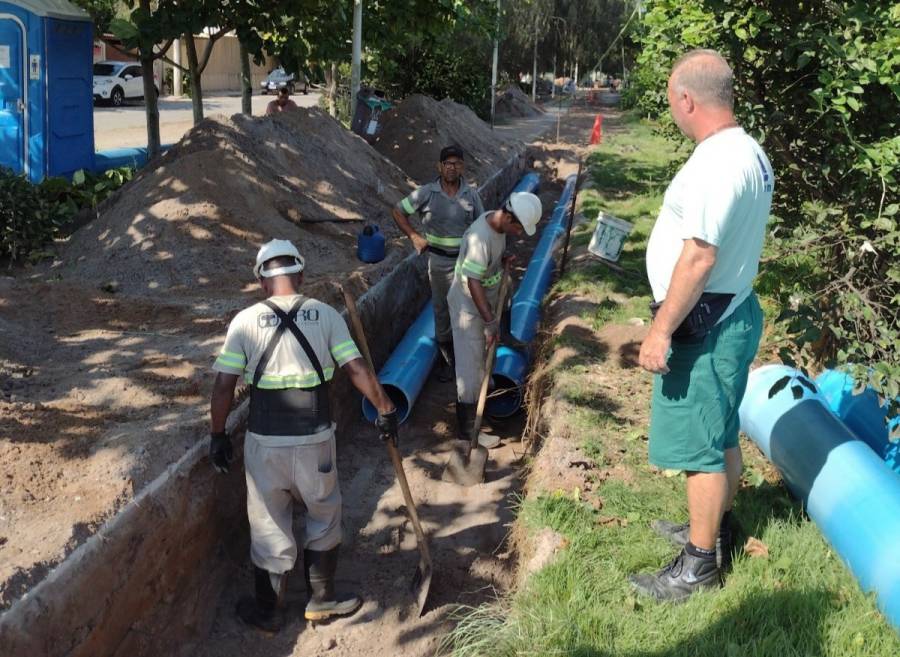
285	348
448	206
474	315
702	257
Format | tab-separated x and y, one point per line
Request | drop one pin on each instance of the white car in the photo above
118	81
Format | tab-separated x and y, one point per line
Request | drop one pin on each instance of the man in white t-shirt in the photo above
286	349
702	257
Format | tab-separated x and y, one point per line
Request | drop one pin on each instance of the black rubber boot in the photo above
262	611
684	575
323	602
445	368
726	542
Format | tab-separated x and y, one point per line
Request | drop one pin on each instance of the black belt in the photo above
288	411
701	319
441	252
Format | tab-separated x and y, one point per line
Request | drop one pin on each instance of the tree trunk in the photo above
194	71
246	84
331	74
151	105
534	67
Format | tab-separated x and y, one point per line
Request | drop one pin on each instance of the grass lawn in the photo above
798	600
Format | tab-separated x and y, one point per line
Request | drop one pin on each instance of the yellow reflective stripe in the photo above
452	242
344	346
234	354
407	206
275	382
491	281
347	354
230	362
473	269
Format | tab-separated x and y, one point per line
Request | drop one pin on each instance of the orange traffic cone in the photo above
597	132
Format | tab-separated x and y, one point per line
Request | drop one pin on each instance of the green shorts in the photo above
694	412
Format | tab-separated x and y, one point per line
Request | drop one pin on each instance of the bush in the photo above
32	215
818	84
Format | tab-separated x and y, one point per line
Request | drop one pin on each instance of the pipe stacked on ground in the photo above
846	488
407	368
525	316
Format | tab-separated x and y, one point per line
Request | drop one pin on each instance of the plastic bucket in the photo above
609	237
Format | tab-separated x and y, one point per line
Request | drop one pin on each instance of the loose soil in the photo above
414	132
106	382
512	102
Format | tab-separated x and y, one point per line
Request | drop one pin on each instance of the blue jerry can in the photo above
370	244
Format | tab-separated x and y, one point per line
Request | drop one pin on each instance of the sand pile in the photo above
515	103
190	224
414	132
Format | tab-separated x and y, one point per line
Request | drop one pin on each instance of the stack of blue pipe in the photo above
407	368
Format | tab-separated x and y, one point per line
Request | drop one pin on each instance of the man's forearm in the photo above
479	296
220	402
688	281
364	380
403	223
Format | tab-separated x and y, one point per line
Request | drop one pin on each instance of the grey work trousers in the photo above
440	275
276	476
468	348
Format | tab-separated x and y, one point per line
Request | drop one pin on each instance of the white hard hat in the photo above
527	209
278	249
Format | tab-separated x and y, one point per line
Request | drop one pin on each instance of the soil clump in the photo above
415	131
512	102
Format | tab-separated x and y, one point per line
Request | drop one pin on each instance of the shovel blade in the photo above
465	472
421	584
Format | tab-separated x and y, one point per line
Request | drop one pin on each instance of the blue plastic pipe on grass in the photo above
525	315
862	413
848	491
407	368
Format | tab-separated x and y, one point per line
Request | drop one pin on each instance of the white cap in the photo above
527	209
278	249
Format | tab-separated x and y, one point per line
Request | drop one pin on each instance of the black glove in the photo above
220	452
388	426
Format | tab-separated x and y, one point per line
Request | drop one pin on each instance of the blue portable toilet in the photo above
46	88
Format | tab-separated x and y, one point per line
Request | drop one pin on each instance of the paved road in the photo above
116	127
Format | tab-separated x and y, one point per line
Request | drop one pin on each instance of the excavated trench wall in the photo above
146	584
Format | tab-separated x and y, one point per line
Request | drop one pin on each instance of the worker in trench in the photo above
447	206
286	348
475	318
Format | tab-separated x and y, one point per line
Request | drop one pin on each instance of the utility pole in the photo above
355	66
534	71
177	84
494	69
623	60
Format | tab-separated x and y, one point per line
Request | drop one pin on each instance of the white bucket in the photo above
609	237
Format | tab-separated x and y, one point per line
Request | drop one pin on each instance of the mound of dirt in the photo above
415	131
514	103
190	223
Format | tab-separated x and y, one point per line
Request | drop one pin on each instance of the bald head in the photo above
706	76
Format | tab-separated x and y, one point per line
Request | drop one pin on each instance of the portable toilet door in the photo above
13	94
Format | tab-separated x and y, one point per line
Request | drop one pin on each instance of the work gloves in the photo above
220	452
491	331
388	426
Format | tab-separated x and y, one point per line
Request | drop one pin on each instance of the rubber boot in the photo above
262	611
446	365
684	575
726	542
323	602
465	419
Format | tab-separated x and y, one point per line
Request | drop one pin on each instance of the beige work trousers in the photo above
276	477
440	275
468	349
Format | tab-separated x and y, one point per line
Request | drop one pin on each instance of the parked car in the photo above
279	79
117	82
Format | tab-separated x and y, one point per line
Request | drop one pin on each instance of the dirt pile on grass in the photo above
190	223
416	130
512	103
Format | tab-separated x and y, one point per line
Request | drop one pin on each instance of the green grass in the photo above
799	602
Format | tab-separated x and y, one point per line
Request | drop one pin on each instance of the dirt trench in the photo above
474	560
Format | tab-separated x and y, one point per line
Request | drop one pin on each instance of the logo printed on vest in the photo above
268	320
311	315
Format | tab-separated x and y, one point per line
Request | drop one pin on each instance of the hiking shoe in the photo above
682	577
680	533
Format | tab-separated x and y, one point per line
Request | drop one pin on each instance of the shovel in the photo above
421	581
468	470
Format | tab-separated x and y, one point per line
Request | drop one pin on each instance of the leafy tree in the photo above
819	83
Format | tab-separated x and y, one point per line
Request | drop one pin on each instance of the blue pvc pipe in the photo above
862	413
848	491
404	373
114	158
525	315
407	368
